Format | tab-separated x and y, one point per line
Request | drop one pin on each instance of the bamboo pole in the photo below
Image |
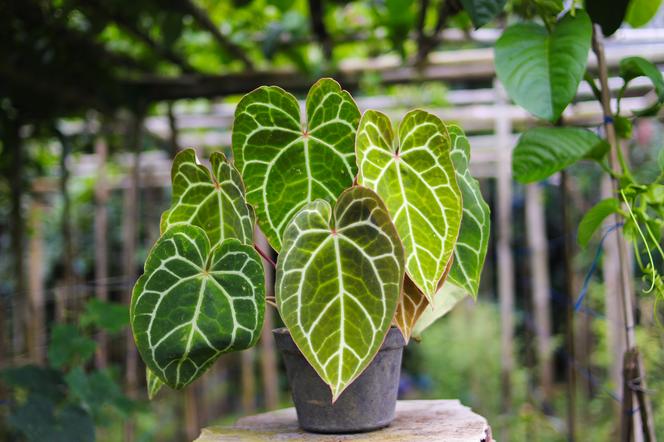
36	332
625	272
541	287
504	249
101	241
130	222
247	375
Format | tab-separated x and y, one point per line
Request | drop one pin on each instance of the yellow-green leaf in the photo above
415	176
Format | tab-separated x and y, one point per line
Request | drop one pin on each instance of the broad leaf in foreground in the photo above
542	71
543	151
339	276
194	303
212	201
471	246
284	164
416	179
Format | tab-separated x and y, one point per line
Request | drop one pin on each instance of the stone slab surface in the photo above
440	420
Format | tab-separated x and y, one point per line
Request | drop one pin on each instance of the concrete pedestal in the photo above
443	421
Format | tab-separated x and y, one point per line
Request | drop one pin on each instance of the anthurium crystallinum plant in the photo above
374	227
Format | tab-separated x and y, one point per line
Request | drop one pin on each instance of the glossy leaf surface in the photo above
473	242
543	151
338	282
415	177
540	71
194	303
212	201
286	164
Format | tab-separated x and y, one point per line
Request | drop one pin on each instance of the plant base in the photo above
367	404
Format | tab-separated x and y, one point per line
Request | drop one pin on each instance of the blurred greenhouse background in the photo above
96	97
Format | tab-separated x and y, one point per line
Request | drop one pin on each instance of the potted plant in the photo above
373	229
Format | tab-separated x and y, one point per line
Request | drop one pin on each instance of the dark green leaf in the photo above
543	151
108	316
483	11
594	218
609	14
195	302
640	12
542	71
95	391
68	347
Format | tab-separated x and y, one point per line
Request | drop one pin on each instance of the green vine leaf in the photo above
416	179
286	165
473	242
339	276
541	71
633	67
640	12
594	218
214	201
195	302
543	151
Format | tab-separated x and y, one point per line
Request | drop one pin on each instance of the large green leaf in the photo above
194	303
212	201
286	165
416	179
483	11
594	218
542	71
609	14
640	12
471	246
339	276
543	151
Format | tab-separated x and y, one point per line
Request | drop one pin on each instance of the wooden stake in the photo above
101	241
504	250
541	287
36	321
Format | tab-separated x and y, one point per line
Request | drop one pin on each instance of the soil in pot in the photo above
367	404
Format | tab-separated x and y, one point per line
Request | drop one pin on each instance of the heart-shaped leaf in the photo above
212	201
286	165
339	276
543	151
416	179
542	71
633	67
471	246
194	303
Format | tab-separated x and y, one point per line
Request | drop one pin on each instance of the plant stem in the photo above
265	256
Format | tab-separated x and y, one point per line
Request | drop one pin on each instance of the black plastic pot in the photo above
367	404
